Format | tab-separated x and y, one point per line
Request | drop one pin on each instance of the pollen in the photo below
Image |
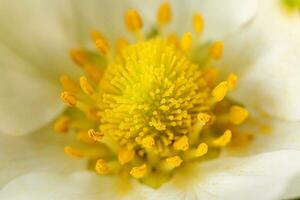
146	107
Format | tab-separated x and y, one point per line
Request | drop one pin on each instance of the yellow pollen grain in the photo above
133	20
174	161
125	155
220	91
164	14
224	139
148	142
182	144
216	50
237	114
95	135
62	125
68	98
101	167
139	172
78	57
85	86
201	150
232	81
198	23
100	42
203	117
186	42
68	84
73	152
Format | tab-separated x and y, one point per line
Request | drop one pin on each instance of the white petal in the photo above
264	176
77	186
34	51
265	55
38	152
221	17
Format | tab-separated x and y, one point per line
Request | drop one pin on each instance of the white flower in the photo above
261	46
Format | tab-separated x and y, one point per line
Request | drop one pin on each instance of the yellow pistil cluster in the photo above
145	109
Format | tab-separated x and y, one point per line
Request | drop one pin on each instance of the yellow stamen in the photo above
164	14
68	84
220	91
198	23
216	50
174	161
93	72
148	142
101	167
62	125
186	42
237	114
139	172
84	137
121	44
78	57
68	98
85	86
182	144
203	117
95	135
224	139
133	21
125	155
201	150
101	43
73	152
232	81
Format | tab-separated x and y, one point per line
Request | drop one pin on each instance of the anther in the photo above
68	84
186	42
148	142
220	91
216	50
133	21
101	167
174	161
73	152
62	125
164	14
201	150
85	86
78	56
139	172
232	81
95	135
198	23
121	44
224	139
125	155
68	98
182	144
203	117
101	43
237	114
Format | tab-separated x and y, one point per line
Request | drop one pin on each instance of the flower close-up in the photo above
140	99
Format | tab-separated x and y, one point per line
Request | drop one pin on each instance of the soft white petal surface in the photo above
34	48
221	17
41	151
265	55
263	176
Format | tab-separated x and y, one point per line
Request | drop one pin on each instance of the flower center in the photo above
151	109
